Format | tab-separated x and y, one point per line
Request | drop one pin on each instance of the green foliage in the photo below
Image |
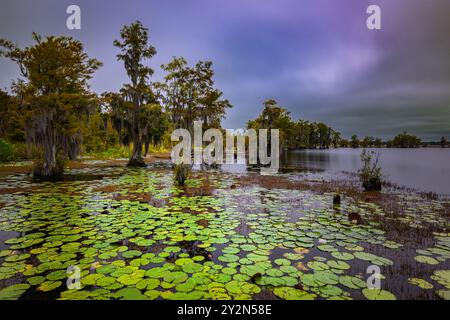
299	134
114	152
99	135
134	249
405	140
54	97
370	173
366	142
136	109
188	93
354	141
11	118
6	151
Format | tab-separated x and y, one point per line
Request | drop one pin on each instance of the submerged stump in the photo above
139	163
337	199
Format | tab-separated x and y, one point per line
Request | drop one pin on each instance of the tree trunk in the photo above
49	169
136	159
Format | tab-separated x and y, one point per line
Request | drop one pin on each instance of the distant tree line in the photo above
300	134
402	140
303	134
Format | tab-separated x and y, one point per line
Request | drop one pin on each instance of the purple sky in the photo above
315	57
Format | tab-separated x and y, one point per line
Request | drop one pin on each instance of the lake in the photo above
425	169
135	234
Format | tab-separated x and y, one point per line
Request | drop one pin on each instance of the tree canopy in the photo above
294	134
405	140
139	101
189	94
54	96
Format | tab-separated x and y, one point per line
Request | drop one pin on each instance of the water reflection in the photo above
425	169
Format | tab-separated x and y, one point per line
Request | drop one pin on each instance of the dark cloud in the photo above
317	58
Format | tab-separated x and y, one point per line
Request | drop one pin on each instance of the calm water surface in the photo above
425	169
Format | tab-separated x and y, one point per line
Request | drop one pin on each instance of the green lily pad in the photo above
352	282
147	284
13	292
420	283
57	275
228	258
132	278
175	277
274	272
326	277
152	294
365	256
229	271
157	272
318	266
341	265
49	285
378	294
17	257
91	279
36	280
444	294
289	293
326	248
282	262
193	295
105	281
330	290
426	259
182	261
106	269
4	253
342	255
187	286
192	267
131	254
443	277
130	293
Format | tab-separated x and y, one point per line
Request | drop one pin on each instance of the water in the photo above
424	169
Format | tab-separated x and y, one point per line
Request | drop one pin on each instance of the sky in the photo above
316	58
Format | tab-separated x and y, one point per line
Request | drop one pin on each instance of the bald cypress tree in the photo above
134	50
54	97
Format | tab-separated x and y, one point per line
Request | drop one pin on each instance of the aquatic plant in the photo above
236	243
370	173
337	199
181	173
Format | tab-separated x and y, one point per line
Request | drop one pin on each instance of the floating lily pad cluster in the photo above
235	243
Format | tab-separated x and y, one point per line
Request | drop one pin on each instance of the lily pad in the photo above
378	294
426	259
289	293
420	283
13	292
